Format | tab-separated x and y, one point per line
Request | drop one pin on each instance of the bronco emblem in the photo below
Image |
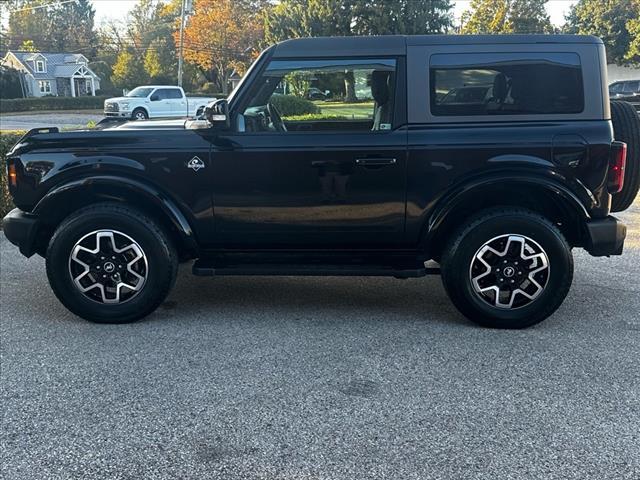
195	164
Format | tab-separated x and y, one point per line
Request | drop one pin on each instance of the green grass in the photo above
348	110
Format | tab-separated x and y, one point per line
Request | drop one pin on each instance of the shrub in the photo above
289	105
7	141
51	103
311	117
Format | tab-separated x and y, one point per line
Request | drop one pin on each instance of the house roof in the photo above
57	64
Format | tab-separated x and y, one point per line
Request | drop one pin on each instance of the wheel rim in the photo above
140	116
108	266
509	271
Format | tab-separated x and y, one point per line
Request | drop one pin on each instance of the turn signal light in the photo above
617	164
13	176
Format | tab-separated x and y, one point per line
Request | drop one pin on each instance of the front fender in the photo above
120	189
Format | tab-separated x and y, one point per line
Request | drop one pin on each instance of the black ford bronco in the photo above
484	158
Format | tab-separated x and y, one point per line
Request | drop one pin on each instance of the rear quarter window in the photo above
481	84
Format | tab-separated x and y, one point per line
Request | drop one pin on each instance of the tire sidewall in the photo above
560	273
139	110
158	267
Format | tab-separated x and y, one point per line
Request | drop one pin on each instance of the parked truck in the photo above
155	101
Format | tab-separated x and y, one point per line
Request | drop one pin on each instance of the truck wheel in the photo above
507	268
109	263
139	114
626	128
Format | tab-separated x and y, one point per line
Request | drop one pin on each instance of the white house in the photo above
60	74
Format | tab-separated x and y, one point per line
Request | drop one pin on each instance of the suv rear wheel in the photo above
109	263
507	268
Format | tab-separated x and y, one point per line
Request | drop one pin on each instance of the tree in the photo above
128	71
633	53
610	20
506	16
28	46
222	36
528	16
311	18
52	26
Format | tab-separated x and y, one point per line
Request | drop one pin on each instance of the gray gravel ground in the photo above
322	378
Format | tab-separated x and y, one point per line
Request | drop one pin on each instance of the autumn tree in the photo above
506	16
633	53
222	36
128	71
614	21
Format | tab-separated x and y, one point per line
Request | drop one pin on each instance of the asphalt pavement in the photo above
322	378
62	119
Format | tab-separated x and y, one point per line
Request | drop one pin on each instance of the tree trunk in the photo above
349	87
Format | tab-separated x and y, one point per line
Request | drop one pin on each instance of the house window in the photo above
45	86
39	66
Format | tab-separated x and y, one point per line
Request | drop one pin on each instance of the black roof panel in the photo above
396	44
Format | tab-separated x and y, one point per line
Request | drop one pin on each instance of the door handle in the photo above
375	162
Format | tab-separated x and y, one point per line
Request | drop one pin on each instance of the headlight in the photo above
125	106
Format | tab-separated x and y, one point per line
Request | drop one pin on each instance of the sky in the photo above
117	9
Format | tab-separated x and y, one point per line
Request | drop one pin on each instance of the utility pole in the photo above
181	52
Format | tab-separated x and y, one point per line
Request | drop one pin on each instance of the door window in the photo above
322	95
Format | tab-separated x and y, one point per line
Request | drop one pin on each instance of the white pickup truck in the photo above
155	101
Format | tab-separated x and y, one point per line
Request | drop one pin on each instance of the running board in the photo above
204	268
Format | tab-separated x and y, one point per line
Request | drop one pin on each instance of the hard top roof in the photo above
396	44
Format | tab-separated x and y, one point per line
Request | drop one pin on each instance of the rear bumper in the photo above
605	236
21	229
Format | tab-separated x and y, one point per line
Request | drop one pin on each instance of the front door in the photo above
316	173
160	103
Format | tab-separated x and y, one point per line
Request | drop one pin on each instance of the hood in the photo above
123	99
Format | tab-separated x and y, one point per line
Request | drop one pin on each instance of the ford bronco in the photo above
485	159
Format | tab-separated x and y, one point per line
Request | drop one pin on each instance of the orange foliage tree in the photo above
222	36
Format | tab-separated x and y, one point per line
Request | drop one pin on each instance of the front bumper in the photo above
21	229
605	236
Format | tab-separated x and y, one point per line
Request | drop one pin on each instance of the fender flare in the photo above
113	187
460	194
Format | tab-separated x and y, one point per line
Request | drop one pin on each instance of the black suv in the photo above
407	170
627	90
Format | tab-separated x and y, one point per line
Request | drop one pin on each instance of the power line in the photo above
41	6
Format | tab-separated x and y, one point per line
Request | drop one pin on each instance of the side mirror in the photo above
154	98
217	113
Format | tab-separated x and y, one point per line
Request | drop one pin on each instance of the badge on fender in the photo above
195	164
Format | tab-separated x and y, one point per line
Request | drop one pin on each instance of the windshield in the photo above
139	92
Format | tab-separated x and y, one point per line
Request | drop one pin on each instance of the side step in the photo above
203	267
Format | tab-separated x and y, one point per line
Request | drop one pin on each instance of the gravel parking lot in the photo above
322	378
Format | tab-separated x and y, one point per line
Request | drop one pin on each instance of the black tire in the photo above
139	114
626	128
159	254
457	269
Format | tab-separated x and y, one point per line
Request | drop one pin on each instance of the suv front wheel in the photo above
507	268
109	263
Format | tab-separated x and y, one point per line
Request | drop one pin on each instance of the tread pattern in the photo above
453	276
626	128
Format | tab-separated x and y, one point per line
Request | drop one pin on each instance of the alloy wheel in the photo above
108	266
509	271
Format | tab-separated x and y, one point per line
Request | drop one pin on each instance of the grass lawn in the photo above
349	110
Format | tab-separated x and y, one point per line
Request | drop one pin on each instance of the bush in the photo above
51	103
7	141
311	117
289	105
